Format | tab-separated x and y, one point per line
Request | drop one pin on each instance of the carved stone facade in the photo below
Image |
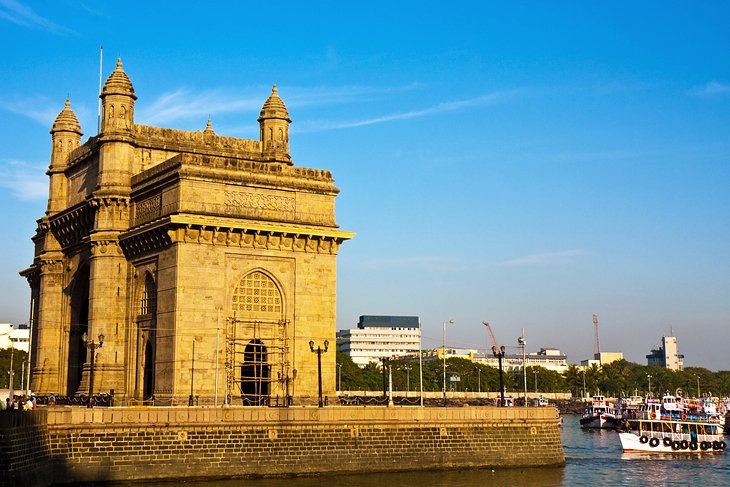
207	263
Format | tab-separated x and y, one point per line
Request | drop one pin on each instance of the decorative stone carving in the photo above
148	209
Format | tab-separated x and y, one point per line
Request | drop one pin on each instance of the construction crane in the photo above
498	352
597	346
495	346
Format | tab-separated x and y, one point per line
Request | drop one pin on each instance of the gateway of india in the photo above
173	265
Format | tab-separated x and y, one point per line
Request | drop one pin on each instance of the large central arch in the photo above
78	326
258	337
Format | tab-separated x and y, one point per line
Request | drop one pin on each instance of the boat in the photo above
599	414
668	425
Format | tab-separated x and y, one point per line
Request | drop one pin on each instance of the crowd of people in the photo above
18	403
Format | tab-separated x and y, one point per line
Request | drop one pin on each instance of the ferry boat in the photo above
599	414
668	426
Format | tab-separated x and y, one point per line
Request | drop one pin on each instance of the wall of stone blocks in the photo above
132	444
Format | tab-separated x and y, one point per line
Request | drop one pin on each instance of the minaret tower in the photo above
116	153
66	136
274	121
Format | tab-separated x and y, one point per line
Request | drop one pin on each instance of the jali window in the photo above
257	294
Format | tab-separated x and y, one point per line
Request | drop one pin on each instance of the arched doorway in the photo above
79	325
147	340
148	388
255	374
257	339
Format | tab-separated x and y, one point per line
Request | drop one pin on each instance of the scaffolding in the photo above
257	362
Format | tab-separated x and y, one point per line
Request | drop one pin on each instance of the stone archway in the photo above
78	326
255	374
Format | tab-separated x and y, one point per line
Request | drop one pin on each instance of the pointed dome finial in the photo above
66	121
209	128
118	83
274	107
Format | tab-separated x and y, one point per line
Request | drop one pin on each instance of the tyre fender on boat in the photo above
643	439
667	441
723	445
705	445
693	445
654	442
684	444
652	415
676	445
715	445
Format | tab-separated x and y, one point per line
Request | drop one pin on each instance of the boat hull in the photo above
631	442
598	422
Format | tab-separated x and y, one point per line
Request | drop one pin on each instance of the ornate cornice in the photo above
158	235
108	247
70	227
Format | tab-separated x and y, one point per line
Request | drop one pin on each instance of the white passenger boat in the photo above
667	426
599	414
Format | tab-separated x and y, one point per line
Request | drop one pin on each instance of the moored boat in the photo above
599	414
668	426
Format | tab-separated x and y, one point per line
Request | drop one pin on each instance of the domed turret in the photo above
65	136
66	121
274	122
117	99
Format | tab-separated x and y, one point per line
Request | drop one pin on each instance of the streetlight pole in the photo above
420	364
91	346
339	379
648	376
698	386
479	380
408	377
521	341
535	371
584	384
443	349
319	353
499	353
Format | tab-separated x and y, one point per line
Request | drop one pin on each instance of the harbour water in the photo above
593	457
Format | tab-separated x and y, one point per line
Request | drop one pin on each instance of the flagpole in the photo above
98	116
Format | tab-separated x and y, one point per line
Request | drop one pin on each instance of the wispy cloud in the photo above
38	109
26	181
24	16
434	262
713	88
187	104
479	101
542	258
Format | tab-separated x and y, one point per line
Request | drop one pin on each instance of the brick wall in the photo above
76	444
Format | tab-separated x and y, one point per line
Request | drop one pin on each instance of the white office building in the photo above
15	336
378	337
667	355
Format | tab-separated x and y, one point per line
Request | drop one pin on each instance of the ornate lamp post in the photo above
92	346
319	351
522	342
443	349
408	369
499	353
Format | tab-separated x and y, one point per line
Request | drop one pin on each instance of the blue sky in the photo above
529	164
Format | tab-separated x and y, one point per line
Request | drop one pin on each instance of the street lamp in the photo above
319	351
339	379
648	376
443	349
408	369
698	386
584	384
499	353
90	345
521	342
535	371
479	380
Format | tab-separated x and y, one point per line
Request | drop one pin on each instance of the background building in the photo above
378	337
667	355
15	336
205	263
602	358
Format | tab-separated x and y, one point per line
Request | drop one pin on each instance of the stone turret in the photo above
274	121
117	100
66	136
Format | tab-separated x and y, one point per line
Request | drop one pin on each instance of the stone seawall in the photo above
64	445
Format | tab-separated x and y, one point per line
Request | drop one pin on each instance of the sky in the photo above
528	164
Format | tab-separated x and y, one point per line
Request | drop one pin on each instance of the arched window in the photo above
148	305
257	295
